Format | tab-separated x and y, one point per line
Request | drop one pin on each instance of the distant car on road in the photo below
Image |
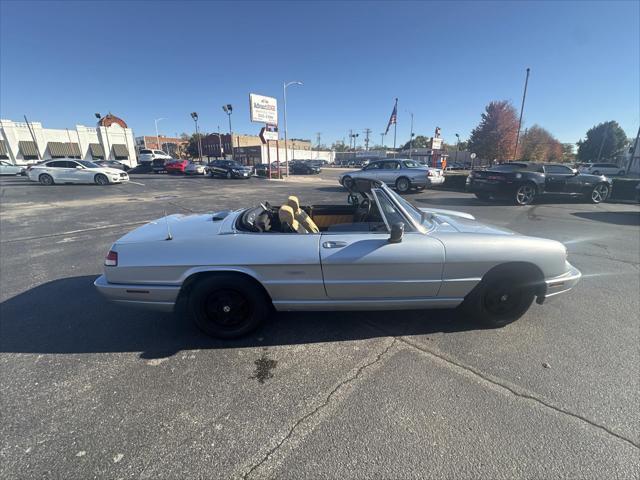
69	170
113	164
399	173
147	155
601	169
228	169
7	168
194	168
304	168
176	166
524	181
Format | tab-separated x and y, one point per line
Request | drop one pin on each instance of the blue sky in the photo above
62	61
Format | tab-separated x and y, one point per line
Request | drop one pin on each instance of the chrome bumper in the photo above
562	283
155	297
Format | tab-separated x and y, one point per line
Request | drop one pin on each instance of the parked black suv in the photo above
524	181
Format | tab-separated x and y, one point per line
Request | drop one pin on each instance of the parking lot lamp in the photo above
284	95
228	109
157	135
194	115
457	148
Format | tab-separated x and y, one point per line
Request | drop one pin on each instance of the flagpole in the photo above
395	127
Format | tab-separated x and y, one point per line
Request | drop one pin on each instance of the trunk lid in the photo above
454	221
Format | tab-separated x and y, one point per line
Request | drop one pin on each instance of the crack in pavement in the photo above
308	415
509	388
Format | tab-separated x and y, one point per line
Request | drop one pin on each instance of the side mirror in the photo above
397	231
78	167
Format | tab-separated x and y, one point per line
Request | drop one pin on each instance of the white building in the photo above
257	154
24	143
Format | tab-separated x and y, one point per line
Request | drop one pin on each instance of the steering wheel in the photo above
363	211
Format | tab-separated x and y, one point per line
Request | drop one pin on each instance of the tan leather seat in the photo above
288	220
301	216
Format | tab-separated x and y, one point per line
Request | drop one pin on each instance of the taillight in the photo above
111	260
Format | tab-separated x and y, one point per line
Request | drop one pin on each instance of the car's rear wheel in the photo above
101	179
483	196
228	306
403	184
347	182
599	193
46	179
499	299
525	194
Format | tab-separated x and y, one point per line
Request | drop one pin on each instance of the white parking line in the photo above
137	183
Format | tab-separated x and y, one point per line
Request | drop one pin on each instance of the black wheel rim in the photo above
226	308
403	185
501	299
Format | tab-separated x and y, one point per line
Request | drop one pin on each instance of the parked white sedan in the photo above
69	170
7	168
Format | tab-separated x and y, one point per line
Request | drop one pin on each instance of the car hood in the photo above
178	227
454	221
589	177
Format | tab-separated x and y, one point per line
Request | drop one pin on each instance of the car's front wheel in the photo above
101	179
346	182
499	299
403	184
228	306
45	179
525	194
599	193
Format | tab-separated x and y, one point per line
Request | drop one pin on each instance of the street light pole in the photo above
284	95
228	109
194	115
457	148
157	135
219	141
524	96
411	138
382	139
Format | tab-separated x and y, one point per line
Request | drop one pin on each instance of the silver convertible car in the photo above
229	269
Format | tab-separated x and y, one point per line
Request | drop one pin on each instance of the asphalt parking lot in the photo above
94	390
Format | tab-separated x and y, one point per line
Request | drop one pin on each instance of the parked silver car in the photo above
8	168
403	174
377	252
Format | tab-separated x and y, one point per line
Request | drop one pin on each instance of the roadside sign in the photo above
270	132
436	143
472	156
263	109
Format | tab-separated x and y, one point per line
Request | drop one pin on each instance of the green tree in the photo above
419	141
538	145
603	141
568	153
192	147
495	136
339	147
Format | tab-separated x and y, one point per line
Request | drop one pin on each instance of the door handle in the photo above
334	244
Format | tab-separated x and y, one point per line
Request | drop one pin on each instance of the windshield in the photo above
87	164
413	212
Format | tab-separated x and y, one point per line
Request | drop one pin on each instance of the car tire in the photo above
525	194
101	179
46	179
403	185
501	298
347	182
228	306
483	196
599	193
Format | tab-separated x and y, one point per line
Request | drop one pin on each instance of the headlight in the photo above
518	175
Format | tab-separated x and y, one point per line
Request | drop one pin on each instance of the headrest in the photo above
285	214
294	203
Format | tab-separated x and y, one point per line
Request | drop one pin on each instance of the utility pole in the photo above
318	135
382	139
524	96
367	131
411	138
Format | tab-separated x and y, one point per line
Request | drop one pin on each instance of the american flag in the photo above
394	117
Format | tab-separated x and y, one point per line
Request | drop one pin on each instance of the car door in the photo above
557	179
365	265
78	173
58	170
389	171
